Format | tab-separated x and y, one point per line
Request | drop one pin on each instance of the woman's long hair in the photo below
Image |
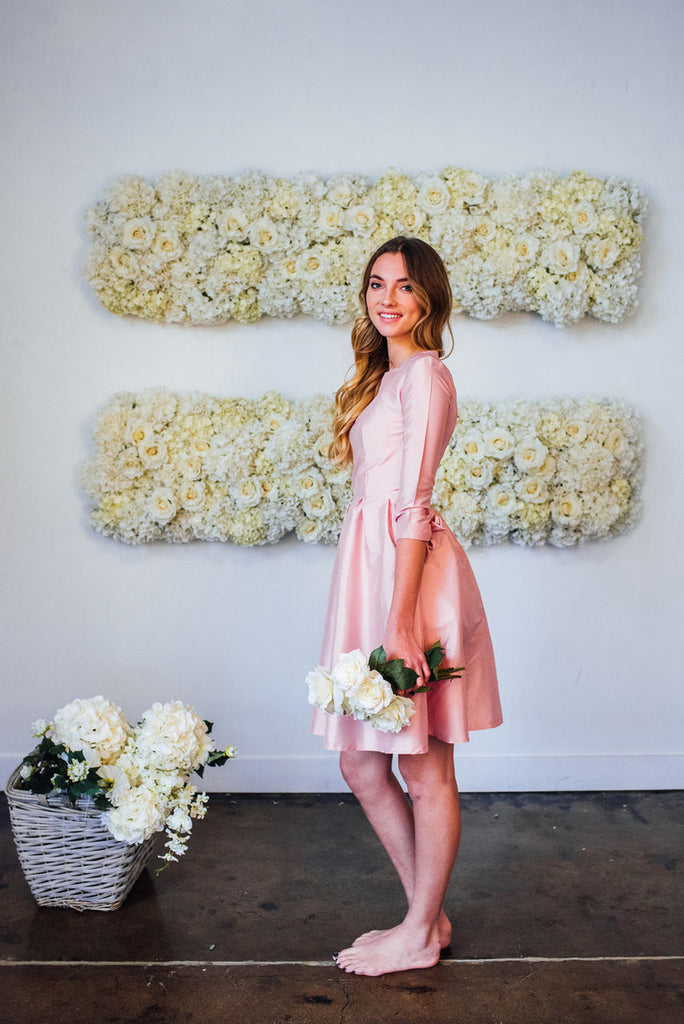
431	288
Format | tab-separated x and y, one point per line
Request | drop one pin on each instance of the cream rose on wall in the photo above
206	250
560	472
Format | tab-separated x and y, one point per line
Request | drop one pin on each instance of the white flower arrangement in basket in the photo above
133	779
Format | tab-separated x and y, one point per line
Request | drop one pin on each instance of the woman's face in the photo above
392	306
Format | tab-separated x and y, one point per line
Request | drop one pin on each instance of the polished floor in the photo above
568	909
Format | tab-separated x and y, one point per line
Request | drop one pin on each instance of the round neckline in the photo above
416	355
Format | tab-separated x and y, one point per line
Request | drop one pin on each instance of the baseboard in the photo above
320	774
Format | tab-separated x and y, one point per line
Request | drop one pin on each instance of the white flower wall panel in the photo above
180	467
206	250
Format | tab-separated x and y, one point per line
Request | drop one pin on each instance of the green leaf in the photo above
435	656
377	658
398	675
209	725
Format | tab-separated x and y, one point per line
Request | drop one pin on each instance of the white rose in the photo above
139	431
351	667
500	501
312	266
369	695
309	530
264	235
575	430
93	725
433	196
153	453
138	233
360	219
341	192
530	455
167	246
319	505
192	496
566	510
562	257
232	223
525	247
602	253
396	715
498	442
533	489
162	506
320	684
584	218
479	475
125	263
471	446
248	492
307	483
331	219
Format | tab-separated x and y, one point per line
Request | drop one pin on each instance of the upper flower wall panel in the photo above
207	250
180	467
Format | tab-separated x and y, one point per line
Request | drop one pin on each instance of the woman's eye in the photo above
374	284
407	288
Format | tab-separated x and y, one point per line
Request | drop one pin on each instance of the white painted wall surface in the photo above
589	642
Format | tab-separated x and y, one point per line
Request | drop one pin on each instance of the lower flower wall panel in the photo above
181	467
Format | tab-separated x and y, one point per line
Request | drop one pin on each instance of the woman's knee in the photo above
364	769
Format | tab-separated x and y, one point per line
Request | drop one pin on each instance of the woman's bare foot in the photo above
443	927
399	949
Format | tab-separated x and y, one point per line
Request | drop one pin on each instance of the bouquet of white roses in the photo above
137	777
373	690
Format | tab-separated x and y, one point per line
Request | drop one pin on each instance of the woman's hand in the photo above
401	642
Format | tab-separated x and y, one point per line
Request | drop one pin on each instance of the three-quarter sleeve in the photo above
428	404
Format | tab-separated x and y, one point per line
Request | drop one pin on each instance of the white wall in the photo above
588	641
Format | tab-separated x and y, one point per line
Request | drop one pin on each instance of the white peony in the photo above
93	725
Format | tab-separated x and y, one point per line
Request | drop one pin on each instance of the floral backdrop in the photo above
179	467
205	250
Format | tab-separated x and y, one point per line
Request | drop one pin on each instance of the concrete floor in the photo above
568	909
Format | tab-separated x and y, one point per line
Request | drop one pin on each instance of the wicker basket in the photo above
68	856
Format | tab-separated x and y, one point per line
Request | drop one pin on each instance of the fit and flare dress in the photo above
397	443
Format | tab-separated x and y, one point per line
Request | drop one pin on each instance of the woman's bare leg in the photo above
416	941
370	777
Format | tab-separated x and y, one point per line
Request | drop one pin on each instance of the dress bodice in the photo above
400	437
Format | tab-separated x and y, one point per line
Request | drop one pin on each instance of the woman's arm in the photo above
400	640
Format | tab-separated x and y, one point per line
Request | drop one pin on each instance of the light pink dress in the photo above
398	442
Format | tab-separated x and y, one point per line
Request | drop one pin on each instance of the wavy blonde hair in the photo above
428	277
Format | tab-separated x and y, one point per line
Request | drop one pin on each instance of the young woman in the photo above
401	579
